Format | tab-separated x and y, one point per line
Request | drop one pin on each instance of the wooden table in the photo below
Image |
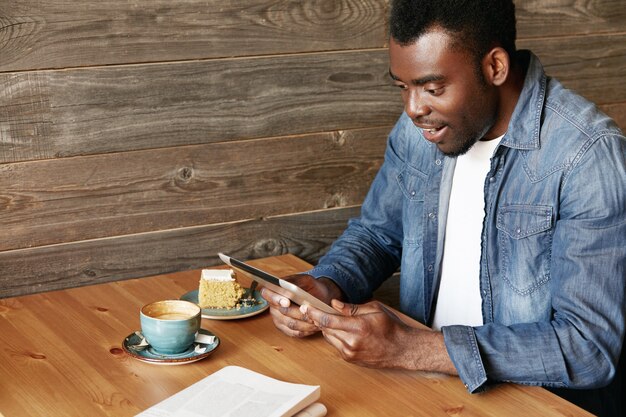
61	355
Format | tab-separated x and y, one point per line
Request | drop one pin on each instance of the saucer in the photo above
194	353
229	313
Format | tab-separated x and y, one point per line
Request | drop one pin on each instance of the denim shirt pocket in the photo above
412	183
525	240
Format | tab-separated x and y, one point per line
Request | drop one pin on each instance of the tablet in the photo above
296	294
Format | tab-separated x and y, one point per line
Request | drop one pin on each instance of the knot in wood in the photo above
339	138
185	173
268	247
335	200
38	356
90	273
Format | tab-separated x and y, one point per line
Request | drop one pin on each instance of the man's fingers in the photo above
346	309
325	320
357	309
275	298
291	312
292	326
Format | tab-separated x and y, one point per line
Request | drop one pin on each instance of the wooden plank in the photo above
50	114
56	34
38	34
307	235
545	18
593	66
71	199
618	112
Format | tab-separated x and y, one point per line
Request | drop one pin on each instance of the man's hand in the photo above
373	335
287	317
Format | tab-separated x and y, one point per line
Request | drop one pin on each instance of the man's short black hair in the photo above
477	26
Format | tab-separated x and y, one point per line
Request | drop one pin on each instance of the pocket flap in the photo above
411	182
520	221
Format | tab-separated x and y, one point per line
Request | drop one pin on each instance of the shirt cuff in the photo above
340	279
462	347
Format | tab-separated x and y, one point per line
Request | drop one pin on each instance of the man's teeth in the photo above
432	130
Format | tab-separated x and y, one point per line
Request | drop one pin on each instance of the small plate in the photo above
151	356
229	313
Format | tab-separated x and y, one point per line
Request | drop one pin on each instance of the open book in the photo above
239	392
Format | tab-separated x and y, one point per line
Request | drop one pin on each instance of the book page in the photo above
236	392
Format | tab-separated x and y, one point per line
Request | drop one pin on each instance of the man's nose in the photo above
415	106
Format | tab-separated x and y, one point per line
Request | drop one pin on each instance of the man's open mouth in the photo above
433	133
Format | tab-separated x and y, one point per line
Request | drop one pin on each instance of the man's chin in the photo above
457	149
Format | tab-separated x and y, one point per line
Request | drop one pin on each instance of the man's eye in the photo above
400	86
435	91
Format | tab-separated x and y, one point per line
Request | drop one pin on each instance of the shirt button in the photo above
432	215
430	267
412	193
492	179
438	162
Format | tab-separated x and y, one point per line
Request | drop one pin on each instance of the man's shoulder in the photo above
550	114
570	126
565	110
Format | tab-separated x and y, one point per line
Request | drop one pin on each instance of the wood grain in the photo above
70	199
594	66
130	132
51	34
618	112
47	268
55	114
55	34
544	19
62	355
52	114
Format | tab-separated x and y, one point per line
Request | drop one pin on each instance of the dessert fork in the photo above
249	299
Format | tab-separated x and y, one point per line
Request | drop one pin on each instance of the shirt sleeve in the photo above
369	250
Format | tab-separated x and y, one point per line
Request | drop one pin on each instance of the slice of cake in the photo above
219	289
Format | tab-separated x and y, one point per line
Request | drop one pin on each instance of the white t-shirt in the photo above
459	300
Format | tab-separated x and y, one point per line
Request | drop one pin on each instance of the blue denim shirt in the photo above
553	261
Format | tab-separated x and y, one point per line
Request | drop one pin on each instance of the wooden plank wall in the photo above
138	138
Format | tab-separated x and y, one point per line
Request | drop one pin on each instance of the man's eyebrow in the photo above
420	81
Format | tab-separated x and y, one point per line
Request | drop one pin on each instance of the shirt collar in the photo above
525	124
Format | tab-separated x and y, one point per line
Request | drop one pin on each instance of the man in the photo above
502	199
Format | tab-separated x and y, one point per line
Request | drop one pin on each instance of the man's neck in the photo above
509	93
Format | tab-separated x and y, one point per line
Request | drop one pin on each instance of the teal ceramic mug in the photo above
170	326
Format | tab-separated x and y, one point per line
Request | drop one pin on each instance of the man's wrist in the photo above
334	291
433	355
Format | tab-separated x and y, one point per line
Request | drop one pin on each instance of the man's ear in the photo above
496	66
